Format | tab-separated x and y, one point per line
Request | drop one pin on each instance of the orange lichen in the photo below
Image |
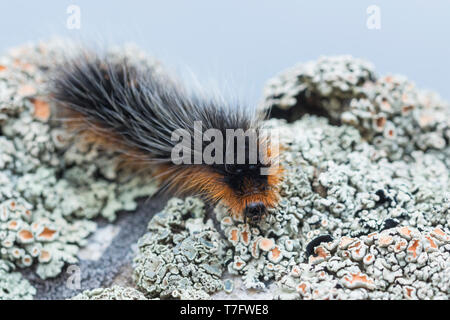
35	251
409	292
27	90
245	237
41	109
413	248
27	214
386	106
227	221
400	245
385	240
355	245
321	254
255	249
47	234
2	68
266	244
16	253
439	234
7	243
234	235
425	119
35	226
27	260
405	231
276	252
45	256
407	109
25	235
431	242
390	133
380	122
369	259
12	225
357	280
25	66
301	287
295	271
345	242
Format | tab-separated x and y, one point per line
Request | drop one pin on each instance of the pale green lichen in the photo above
390	111
181	256
12	285
337	184
113	293
57	182
324	86
28	236
399	263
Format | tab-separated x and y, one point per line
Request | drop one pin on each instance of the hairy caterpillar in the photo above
136	111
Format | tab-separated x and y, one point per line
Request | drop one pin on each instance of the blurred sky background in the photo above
239	45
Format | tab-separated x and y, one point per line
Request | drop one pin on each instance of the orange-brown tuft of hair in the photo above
211	185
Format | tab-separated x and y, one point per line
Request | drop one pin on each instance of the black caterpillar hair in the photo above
135	110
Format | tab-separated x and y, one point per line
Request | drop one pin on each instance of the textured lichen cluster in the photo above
113	293
399	263
390	112
12	285
51	185
181	256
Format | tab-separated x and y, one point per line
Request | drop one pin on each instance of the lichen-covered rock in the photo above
398	263
335	184
27	236
51	183
322	87
182	255
113	293
12	285
390	111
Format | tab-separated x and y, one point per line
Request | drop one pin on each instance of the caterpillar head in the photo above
250	188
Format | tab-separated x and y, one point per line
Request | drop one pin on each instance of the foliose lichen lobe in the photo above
181	256
112	293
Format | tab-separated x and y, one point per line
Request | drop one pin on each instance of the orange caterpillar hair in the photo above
136	113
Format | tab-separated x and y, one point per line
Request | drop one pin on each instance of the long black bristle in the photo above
141	106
